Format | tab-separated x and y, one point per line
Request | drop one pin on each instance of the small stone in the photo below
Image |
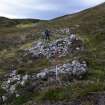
17	95
4	98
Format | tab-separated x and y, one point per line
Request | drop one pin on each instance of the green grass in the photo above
22	99
27	45
2	91
33	66
72	92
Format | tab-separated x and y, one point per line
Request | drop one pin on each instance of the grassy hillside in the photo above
15	32
6	22
89	25
90	21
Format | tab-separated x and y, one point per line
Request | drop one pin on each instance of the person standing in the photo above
47	34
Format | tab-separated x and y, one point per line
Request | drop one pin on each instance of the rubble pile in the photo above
73	70
60	47
10	83
13	79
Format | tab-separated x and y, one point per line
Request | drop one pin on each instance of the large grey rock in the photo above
4	98
42	75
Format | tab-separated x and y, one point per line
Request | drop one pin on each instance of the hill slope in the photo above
5	22
90	21
89	26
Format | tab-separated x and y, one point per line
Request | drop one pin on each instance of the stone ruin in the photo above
60	47
74	70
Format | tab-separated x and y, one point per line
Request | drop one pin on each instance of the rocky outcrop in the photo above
60	47
74	70
11	82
